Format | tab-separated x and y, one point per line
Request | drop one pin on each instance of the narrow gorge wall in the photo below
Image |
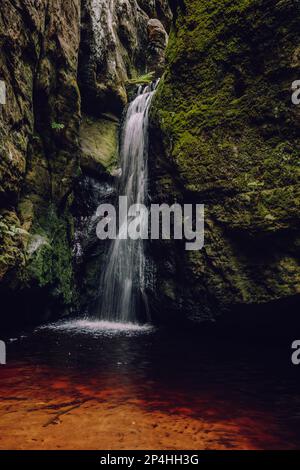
225	133
39	155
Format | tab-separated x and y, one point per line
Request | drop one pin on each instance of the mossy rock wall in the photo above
225	133
39	155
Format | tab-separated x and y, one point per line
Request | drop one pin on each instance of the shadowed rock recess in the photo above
223	132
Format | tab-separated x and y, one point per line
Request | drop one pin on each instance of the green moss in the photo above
224	104
49	257
11	252
226	134
57	126
99	143
145	79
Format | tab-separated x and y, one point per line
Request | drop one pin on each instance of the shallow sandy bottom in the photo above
100	426
41	410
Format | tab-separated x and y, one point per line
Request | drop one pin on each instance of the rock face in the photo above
114	49
39	153
157	43
224	133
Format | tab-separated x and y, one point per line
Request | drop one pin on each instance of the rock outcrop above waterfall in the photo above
115	47
39	154
156	49
224	133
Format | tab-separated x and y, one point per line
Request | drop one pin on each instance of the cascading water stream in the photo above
123	283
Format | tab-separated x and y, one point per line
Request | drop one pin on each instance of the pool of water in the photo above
84	384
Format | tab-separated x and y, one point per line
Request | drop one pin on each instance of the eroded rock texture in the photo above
224	133
115	48
39	156
157	43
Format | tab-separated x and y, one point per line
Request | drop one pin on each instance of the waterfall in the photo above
123	282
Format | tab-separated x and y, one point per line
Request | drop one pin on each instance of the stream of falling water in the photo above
123	282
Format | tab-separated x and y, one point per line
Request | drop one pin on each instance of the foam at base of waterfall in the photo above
98	327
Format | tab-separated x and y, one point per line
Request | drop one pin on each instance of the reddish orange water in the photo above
147	391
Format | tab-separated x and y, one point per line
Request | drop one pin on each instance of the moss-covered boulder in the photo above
99	140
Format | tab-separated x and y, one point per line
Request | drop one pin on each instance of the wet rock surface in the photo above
90	254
